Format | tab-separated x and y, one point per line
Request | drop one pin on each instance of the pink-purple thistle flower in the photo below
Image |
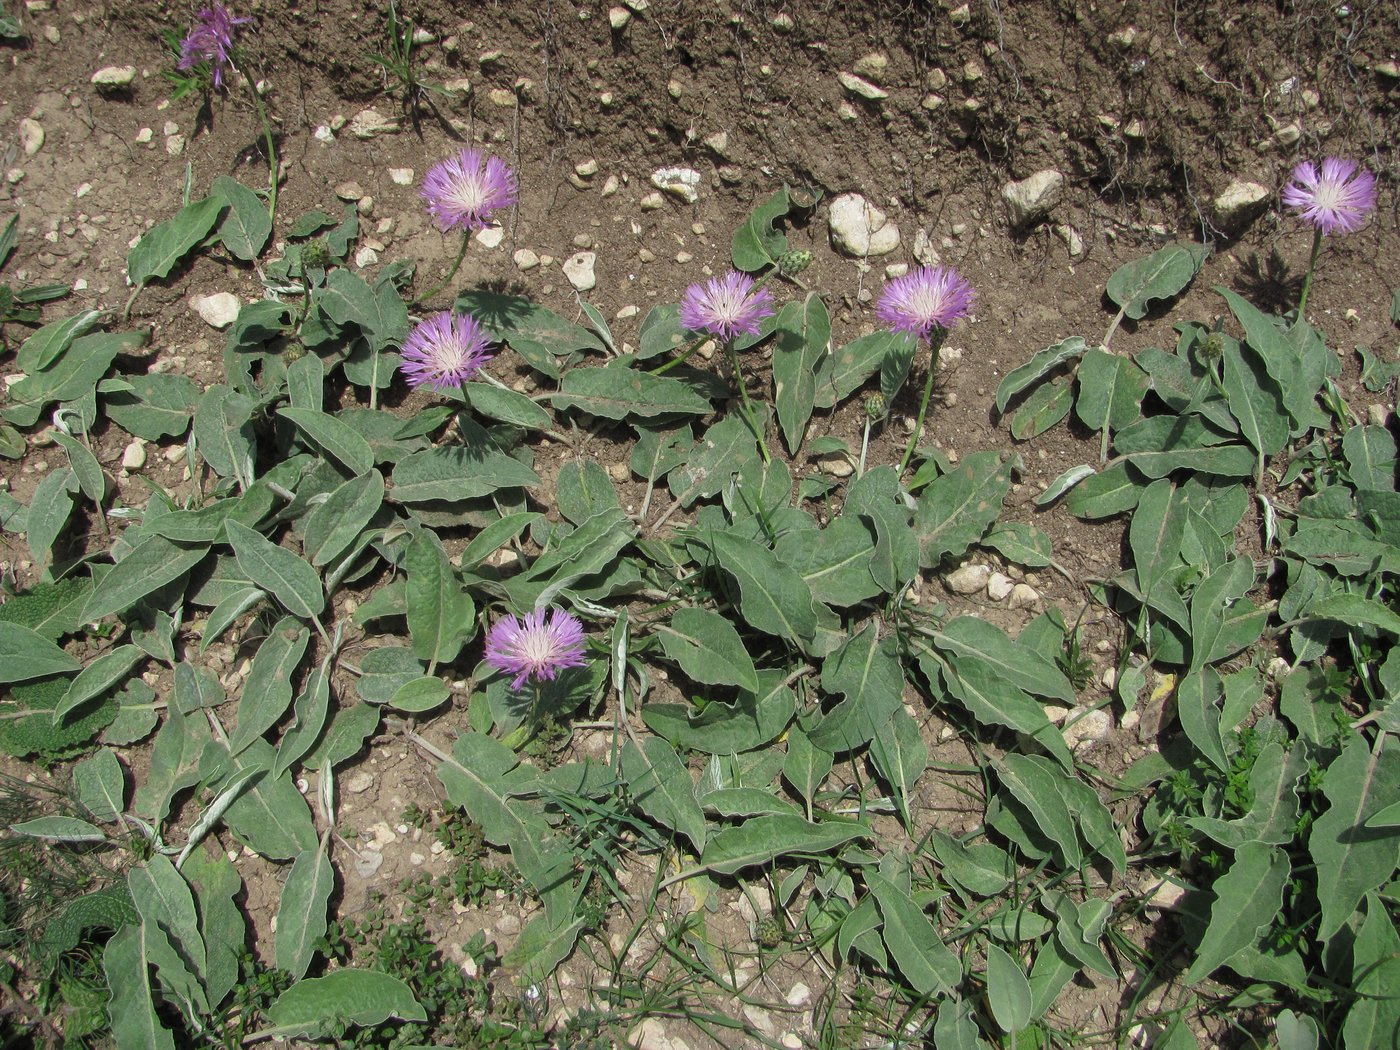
445	350
210	40
535	648
464	191
1335	200
929	298
726	306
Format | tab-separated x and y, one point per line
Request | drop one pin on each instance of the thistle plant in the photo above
727	307
535	649
209	51
463	193
926	304
445	351
1335	199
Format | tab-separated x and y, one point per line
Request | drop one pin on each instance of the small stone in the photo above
1166	894
675	88
1123	37
619	472
924	251
684	257
175	145
626	312
782	22
610	186
1389	70
366	256
1377	415
896	270
401	176
176	453
837	464
349	191
679	182
999	586
718	144
1239	204
791	1040
860	87
1109	678
859	229
359	783
972	71
113	78
798	995
323	133
218	310
968	579
586	169
871	65
1278	669
368	123
652	202
618	17
457	86
1023	596
578	268
31	136
52	35
525	259
367	862
1032	198
1074	243
144	136
960	15
933	101
134	456
1289	134
14	176
491	236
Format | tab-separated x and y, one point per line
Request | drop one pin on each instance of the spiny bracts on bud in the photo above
790	264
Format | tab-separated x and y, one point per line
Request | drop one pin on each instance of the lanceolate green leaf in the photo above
1163	274
132	1007
772	597
616	392
662	787
1353	859
290	579
106	672
957	508
761	839
339	439
900	757
1247	898
866	670
803	331
708	648
334	525
151	565
348	996
301	912
441	614
247	225
25	654
922	957
1374	1015
1017	663
1008	991
157	253
267	693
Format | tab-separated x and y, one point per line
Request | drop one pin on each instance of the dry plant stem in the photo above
456	265
1307	277
748	405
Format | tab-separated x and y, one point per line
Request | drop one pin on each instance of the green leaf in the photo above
164	901
1254	400
1155	534
834	562
722	452
157	253
60	829
1008	991
1370	453
661	786
309	709
293	582
542	946
661	331
131	1007
956	509
617	392
1024	667
1111	389
1353	859
343	442
537	334
495	536
1111	491
1162	275
867	671
805	765
334	524
1374	1016
1197	694
441	613
71	377
151	406
457	473
247	225
216	884
1035	787
922	957
422	694
583	489
900	756
107	671
50	609
507	406
269	815
49	510
990	698
379	312
708	649
723	729
803	332
758	242
762	839
844	371
772	597
1020	544
301	913
100	785
1046	406
1247	899
175	759
1041	364
316	1006
344	738
978	868
267	692
25	654
223	433
45	346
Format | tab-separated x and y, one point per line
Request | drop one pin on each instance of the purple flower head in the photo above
464	191
1337	200
726	306
930	297
445	350
535	648
210	40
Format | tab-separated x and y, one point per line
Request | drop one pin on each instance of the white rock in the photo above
586	169
798	995
218	310
370	122
1032	198
895	270
401	176
1055	713
525	259
578	268
1166	894
134	456
968	579
858	228
1087	727
367	862
323	133
999	586
718	144
872	65
113	78
618	17
490	236
366	256
680	182
652	202
31	136
1239	204
610	186
860	87
359	783
175	145
924	251
837	464
1023	596
1074	243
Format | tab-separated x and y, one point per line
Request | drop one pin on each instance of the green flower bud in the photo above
315	255
768	932
1211	347
790	264
876	407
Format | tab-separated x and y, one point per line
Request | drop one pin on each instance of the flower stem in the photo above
694	346
1307	278
935	341
272	162
748	405
456	265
